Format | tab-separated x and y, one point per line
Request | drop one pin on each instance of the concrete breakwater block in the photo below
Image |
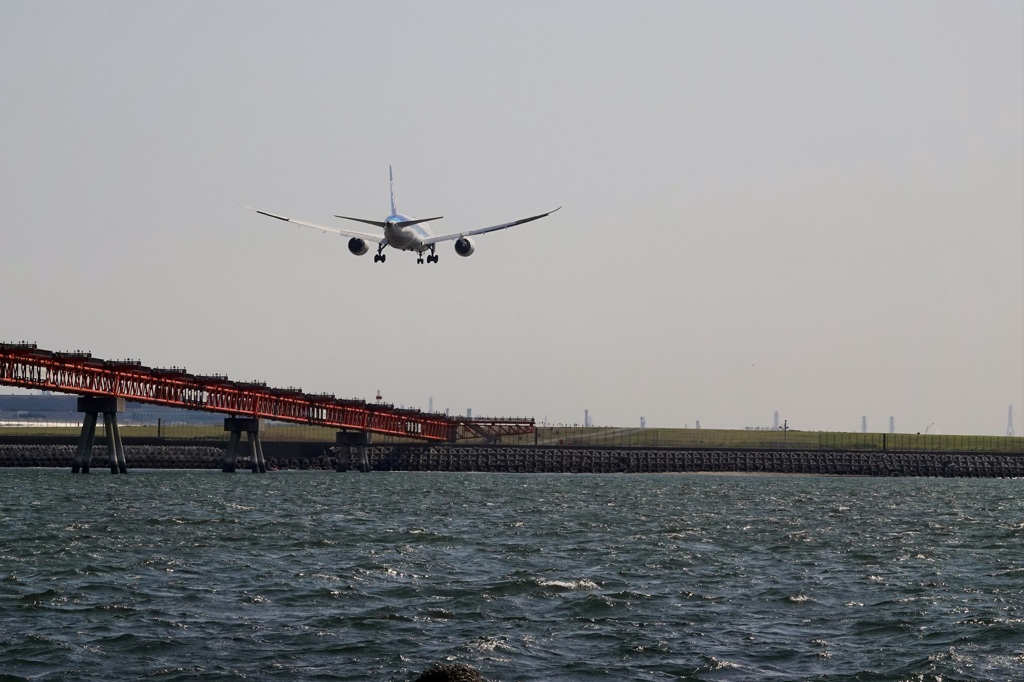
137	456
517	459
637	460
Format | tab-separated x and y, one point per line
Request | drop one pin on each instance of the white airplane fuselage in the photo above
406	237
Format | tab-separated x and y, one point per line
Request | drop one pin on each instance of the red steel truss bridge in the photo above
26	366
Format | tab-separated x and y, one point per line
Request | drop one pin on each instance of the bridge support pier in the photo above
93	407
250	426
354	444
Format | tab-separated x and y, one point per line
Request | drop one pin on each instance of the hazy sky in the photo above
809	207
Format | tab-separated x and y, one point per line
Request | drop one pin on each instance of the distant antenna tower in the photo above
775	425
892	425
1009	424
863	424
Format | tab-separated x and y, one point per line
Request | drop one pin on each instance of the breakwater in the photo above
540	459
631	460
152	457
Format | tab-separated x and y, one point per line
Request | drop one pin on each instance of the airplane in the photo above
403	232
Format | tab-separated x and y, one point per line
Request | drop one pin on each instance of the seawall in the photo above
537	459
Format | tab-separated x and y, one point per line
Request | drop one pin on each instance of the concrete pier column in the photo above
231	454
254	460
122	461
92	407
115	460
257	463
251	427
259	453
84	454
354	444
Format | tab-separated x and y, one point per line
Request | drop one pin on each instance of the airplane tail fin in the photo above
391	185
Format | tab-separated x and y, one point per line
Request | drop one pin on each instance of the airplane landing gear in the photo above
379	256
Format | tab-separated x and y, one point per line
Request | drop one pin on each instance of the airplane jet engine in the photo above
357	246
464	246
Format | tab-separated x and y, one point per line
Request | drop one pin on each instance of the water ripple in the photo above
184	575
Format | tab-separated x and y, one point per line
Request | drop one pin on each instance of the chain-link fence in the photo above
565	436
575	436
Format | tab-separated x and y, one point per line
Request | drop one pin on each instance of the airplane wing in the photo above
482	230
376	238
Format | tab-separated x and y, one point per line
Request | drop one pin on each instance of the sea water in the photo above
175	575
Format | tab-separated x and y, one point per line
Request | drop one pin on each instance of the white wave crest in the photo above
569	584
